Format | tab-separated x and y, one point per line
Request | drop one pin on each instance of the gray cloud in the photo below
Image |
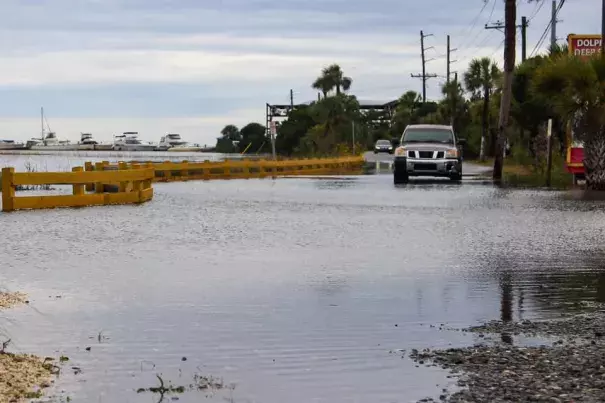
187	58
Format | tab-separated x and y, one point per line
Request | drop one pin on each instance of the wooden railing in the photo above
133	186
168	171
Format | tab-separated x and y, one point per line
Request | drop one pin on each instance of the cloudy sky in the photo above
193	66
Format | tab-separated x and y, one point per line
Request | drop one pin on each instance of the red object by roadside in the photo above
575	160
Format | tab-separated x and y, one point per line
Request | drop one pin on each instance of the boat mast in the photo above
42	122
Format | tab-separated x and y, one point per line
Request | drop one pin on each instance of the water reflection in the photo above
506	304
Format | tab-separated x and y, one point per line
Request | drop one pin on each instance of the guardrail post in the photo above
123	185
262	168
168	172
185	172
8	189
98	185
78	188
147	182
246	168
206	170
88	167
137	184
227	169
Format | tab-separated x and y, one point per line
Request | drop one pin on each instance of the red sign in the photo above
584	45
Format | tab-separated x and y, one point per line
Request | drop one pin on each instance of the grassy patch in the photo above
560	179
519	174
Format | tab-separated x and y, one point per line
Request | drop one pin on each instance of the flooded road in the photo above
293	290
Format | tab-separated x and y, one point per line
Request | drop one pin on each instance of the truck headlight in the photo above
453	153
400	151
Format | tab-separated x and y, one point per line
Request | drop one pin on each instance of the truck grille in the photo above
425	167
425	154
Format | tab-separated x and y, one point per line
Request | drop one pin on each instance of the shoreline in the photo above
568	366
22	376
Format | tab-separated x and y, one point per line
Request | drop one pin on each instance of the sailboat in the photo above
48	140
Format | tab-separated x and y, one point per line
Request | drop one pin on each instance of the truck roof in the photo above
429	126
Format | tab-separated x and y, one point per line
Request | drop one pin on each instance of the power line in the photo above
548	27
474	41
474	22
537	9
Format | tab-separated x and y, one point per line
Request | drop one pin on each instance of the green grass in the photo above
520	175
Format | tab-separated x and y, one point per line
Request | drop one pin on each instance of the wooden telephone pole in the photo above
424	76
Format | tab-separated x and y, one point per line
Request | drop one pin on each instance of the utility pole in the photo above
510	31
524	38
454	99
424	76
353	134
603	28
499	25
553	27
549	153
449	61
291	99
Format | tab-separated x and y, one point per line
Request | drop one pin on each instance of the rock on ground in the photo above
570	369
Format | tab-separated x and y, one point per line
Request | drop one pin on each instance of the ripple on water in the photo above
295	290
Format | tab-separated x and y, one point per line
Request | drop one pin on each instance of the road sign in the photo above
273	128
584	45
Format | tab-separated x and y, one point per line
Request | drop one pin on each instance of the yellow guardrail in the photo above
103	183
168	171
133	186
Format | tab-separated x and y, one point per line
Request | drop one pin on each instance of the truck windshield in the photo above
431	135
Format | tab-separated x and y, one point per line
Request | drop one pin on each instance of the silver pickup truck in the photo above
428	150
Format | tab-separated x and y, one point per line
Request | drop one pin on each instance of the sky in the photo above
194	66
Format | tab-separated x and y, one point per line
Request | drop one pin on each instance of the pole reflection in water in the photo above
506	303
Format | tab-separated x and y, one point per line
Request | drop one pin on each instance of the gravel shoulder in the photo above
22	376
568	367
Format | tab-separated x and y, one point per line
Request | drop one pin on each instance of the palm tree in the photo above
331	78
324	84
409	101
340	80
481	80
405	112
576	89
453	102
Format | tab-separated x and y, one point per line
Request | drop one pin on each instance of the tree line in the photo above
555	85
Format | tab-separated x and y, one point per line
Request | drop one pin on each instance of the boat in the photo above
186	148
174	142
87	142
48	140
129	141
11	145
51	143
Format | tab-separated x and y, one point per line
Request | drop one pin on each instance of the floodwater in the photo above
42	161
289	290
